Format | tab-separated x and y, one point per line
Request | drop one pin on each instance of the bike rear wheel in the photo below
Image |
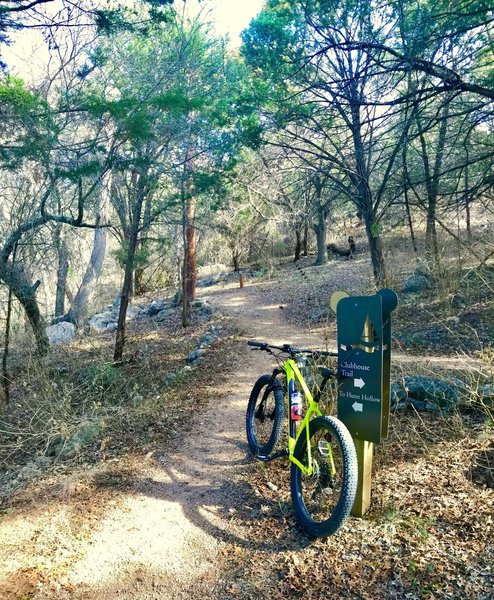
264	417
323	501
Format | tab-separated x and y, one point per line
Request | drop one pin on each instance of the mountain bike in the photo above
323	474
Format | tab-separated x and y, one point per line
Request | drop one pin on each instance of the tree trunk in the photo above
322	251
6	344
467	204
305	242
410	223
139	287
190	257
432	248
62	271
298	244
79	305
376	250
406	180
189	279
236	260
432	178
364	200
129	269
320	226
25	292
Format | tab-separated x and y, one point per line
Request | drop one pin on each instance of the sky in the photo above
227	16
234	15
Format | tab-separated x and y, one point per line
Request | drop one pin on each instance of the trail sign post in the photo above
364	362
360	366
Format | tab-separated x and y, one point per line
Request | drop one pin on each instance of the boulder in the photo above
486	392
169	378
61	332
432	393
195	357
207	340
203	307
422	268
208	281
99	323
429	393
28	472
84	435
398	395
132	312
416	283
164	314
154	308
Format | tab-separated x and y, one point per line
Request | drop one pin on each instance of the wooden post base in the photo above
363	497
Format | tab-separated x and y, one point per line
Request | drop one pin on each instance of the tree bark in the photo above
79	305
190	254
432	177
298	244
305	242
62	271
376	250
189	266
410	222
364	199
6	347
129	268
236	260
139	285
468	199
407	201
25	292
6	343
320	226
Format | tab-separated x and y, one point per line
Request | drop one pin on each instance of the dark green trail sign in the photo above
364	355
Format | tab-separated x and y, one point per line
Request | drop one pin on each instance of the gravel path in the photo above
161	534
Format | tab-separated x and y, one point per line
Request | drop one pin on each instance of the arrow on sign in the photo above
358	407
359	383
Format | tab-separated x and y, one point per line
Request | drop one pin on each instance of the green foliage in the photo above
110	21
16	96
177	101
141	256
102	376
86	169
123	18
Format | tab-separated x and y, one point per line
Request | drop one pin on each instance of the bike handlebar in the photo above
289	349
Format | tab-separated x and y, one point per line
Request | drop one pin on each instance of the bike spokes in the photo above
263	418
321	490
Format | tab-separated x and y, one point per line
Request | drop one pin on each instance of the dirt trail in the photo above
161	535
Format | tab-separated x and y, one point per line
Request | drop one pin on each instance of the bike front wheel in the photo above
323	500
264	417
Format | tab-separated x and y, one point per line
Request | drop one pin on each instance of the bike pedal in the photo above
323	448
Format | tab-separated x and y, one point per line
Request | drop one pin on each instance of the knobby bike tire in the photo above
264	417
322	502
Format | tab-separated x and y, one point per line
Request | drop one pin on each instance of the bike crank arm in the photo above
273	456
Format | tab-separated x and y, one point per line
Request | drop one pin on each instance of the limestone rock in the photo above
61	332
416	283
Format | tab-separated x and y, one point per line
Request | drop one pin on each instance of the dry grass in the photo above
429	531
132	406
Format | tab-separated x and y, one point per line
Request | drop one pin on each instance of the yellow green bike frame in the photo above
293	373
